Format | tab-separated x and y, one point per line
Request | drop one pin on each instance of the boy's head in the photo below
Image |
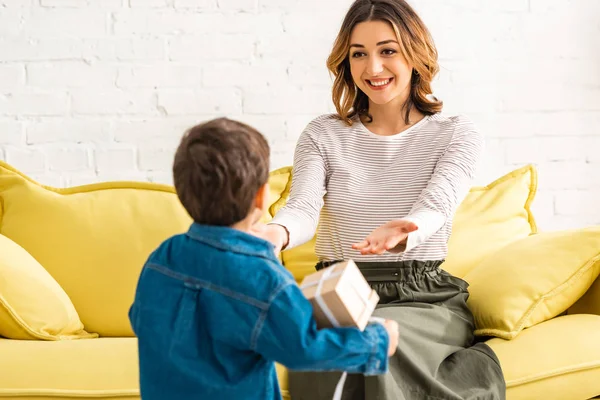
221	171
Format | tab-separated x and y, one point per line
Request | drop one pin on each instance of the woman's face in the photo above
376	62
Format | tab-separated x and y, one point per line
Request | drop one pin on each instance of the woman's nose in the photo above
375	66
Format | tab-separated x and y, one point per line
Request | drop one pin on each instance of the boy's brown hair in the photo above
219	167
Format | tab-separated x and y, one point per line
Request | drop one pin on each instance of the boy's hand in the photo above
273	233
391	327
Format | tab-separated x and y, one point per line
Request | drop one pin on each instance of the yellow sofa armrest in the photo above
589	303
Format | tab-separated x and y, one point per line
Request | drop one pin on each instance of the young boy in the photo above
214	308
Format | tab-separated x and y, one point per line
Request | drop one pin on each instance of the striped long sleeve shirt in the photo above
347	181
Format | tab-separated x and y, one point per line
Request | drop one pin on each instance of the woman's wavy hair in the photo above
417	47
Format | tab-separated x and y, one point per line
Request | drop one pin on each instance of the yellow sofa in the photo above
69	261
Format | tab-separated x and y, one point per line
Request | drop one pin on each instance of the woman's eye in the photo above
357	54
388	52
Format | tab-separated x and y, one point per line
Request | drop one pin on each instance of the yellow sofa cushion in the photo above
555	360
589	303
32	304
104	368
489	218
94	239
532	280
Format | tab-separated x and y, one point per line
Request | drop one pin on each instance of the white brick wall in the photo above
94	90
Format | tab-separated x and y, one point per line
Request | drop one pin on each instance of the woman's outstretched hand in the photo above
390	237
273	233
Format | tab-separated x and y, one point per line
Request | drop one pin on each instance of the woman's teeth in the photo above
379	83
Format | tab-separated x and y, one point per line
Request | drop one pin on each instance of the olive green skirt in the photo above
437	357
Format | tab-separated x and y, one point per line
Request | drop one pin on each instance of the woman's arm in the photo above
300	216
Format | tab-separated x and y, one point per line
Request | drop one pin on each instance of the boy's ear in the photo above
261	201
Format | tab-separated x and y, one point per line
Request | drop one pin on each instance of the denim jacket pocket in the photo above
184	332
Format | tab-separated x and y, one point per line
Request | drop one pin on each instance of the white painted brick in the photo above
11	132
114	160
11	21
286	47
309	75
548	97
211	47
124	176
164	22
542	71
529	124
125	49
67	131
492	163
295	124
81	178
68	159
158	76
542	149
40	49
150	3
270	126
15	3
167	22
276	101
71	74
476	5
166	178
208	101
243	75
66	22
238	5
279	5
578	203
467	100
114	102
564	175
12	76
327	19
279	159
52	179
166	129
562	222
593	149
34	104
561	6
26	160
156	159
195	4
543	206
112	4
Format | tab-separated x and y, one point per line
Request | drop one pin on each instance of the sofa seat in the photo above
557	359
103	368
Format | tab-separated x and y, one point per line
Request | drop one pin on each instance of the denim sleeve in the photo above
288	334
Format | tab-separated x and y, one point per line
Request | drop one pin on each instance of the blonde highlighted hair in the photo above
417	47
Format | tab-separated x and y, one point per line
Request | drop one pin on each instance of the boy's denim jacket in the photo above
214	309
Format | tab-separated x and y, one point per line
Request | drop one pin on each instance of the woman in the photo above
386	174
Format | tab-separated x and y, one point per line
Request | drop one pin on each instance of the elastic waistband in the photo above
392	271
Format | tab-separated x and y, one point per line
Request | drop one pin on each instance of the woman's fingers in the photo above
360	245
409	227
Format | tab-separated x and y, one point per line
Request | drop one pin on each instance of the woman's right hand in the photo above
273	233
391	327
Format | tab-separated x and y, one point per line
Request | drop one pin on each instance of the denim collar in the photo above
230	239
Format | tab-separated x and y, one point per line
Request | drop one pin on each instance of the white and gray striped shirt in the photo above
357	180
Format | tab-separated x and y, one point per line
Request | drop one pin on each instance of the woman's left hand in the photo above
390	237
